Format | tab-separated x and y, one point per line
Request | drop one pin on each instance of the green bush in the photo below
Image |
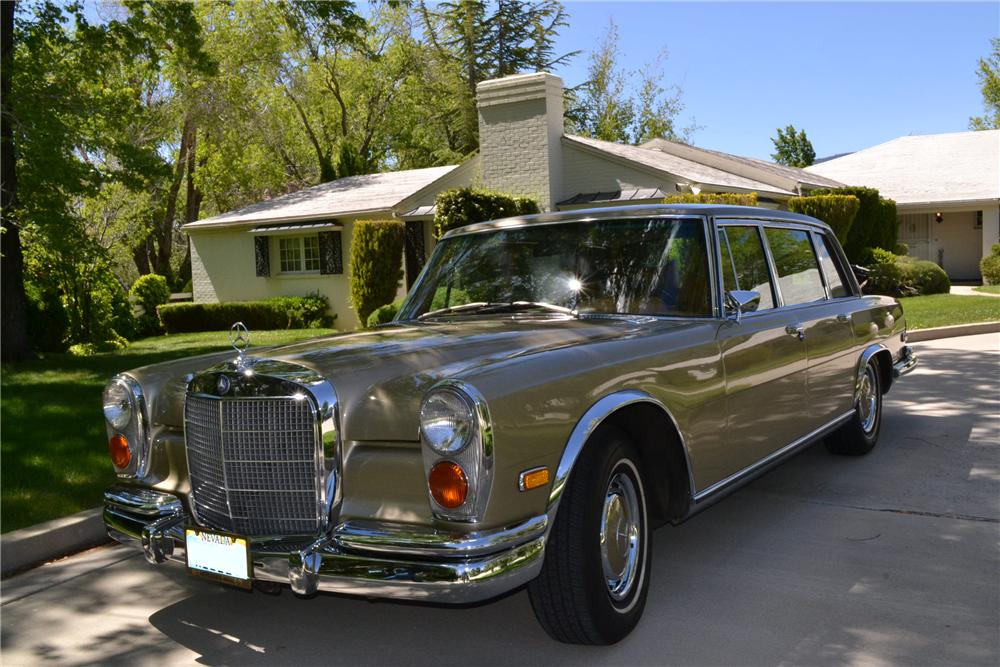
465	206
384	314
838	211
901	249
875	225
989	266
48	325
376	264
283	312
150	291
90	349
736	199
904	276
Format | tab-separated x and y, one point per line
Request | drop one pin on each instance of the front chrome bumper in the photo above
365	558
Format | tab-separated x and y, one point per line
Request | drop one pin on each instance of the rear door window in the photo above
743	251
835	279
799	279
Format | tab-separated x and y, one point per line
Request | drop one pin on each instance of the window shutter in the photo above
330	254
262	258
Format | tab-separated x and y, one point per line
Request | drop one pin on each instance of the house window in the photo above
299	254
979	220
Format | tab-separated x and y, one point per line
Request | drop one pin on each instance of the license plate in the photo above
219	556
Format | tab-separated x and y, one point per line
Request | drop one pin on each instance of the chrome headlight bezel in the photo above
134	429
474	455
447	421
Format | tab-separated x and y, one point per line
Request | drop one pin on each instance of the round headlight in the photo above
118	404
447	421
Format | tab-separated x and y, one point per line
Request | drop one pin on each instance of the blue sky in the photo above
851	74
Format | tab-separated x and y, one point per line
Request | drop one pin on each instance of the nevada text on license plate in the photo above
219	556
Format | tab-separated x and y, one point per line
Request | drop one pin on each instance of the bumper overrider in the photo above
906	362
364	558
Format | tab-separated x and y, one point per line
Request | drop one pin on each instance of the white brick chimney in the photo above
520	128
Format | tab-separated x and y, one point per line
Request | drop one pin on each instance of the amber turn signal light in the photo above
448	484
121	455
534	478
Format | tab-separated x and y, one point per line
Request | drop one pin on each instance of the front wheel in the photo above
860	434
593	584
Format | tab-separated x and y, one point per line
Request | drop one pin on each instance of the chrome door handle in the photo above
843	318
796	330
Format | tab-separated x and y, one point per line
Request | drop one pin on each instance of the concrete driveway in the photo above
886	559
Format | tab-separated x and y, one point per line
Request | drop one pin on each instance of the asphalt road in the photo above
887	559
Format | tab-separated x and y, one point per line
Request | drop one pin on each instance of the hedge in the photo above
989	266
875	226
376	264
384	314
838	211
283	312
736	199
149	291
465	206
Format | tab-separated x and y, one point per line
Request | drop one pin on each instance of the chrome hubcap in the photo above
868	400
620	535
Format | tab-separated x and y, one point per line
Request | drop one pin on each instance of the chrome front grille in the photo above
255	464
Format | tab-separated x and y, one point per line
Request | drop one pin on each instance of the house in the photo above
947	193
300	242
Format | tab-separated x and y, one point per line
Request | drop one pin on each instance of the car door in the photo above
765	361
823	324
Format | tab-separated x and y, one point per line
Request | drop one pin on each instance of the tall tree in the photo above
989	83
793	148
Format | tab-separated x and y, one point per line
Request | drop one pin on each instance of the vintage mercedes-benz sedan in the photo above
553	388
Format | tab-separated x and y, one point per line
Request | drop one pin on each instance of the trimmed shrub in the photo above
875	225
376	264
465	206
989	266
149	291
384	314
838	211
734	198
904	276
90	349
901	249
283	312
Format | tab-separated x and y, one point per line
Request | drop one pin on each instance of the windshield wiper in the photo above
498	307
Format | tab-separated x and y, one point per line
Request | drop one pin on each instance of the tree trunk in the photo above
14	338
164	234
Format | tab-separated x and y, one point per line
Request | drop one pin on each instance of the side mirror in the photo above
739	301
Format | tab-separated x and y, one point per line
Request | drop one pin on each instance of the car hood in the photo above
381	375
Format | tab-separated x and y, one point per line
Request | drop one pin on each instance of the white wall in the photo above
585	172
956	240
222	269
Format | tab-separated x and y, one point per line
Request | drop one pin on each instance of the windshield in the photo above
655	266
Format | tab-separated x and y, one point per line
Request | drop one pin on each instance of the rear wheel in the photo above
593	584
860	434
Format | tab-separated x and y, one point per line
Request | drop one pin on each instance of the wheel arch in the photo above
883	359
665	461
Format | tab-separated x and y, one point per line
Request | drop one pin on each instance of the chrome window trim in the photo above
275	378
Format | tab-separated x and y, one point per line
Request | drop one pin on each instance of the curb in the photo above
935	333
28	547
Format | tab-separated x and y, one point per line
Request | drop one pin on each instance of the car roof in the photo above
638	211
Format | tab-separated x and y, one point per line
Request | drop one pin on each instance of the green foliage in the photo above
603	107
90	349
733	198
149	292
283	312
376	264
989	83
384	314
901	249
792	148
875	225
989	266
48	325
904	276
838	211
465	206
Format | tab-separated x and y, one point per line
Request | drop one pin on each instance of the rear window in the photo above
835	279
799	279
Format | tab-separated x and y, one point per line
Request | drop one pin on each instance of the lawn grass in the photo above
987	289
940	310
52	443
